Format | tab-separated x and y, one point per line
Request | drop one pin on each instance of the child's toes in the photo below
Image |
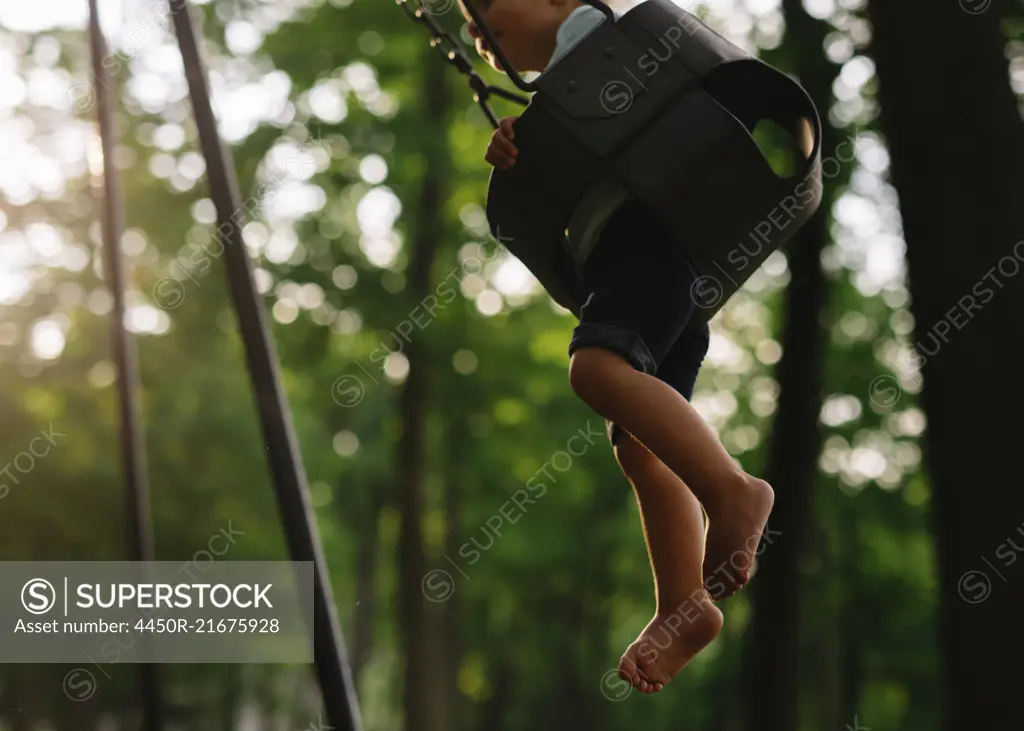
628	670
652	674
651	681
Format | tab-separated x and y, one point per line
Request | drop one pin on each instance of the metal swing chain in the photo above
452	53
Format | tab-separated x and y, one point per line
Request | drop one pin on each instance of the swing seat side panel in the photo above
725	205
529	204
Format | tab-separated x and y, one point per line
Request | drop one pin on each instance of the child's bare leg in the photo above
685	619
659	417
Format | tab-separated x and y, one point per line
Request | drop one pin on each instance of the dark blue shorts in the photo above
640	304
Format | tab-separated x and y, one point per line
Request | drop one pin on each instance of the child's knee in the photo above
591	369
584	371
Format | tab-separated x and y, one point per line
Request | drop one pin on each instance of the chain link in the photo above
452	52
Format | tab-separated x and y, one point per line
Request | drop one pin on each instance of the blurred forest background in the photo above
426	373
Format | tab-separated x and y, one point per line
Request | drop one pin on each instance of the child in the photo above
634	358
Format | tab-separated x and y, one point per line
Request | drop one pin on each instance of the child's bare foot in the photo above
735	526
668	643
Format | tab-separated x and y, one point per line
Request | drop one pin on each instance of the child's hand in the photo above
501	153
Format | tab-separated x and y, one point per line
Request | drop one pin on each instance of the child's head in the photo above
525	29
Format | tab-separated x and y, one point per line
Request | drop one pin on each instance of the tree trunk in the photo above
420	681
829	643
366	583
575	706
447	613
231	697
17	701
795	443
957	144
853	679
494	713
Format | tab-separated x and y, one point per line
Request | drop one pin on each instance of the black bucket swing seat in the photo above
662	105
